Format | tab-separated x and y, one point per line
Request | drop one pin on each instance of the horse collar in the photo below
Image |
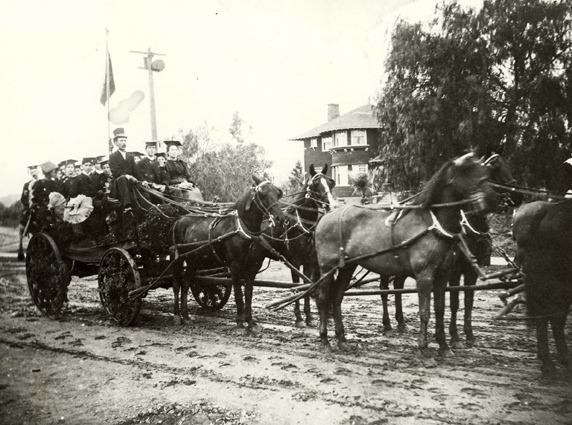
465	223
437	226
240	228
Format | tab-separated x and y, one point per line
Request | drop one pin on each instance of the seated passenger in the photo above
81	184
150	170
65	183
178	175
124	171
101	182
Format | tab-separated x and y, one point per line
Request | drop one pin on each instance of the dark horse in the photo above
295	241
543	233
476	228
419	242
206	242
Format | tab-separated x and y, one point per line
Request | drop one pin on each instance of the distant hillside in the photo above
8	200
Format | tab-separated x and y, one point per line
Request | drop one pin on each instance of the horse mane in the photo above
241	201
434	187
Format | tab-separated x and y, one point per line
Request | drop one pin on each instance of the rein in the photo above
343	261
528	191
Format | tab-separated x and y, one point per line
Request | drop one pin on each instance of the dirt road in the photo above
82	369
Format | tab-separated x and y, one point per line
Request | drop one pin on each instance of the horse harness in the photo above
395	248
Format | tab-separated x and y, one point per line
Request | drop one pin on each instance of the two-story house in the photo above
345	142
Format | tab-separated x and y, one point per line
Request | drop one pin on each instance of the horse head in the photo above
500	173
266	197
463	179
319	187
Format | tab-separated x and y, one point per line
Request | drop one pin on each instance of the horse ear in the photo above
312	170
325	169
256	180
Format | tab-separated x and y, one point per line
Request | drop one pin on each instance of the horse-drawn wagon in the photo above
196	246
212	249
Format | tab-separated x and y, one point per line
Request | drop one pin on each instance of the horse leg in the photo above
310	322
424	290
312	273
299	323
439	287
455	280
542	350
399	283
323	302
238	298
248	291
470	279
177	282
185	283
558	323
384	286
344	277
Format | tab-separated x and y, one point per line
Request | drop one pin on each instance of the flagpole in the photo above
107	82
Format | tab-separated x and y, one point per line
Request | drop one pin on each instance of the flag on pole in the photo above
109	83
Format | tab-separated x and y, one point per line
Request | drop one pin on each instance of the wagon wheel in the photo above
48	276
118	275
209	296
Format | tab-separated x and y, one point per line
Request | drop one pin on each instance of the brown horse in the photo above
543	233
476	229
295	241
206	242
420	242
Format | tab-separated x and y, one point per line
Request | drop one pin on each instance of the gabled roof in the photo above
360	118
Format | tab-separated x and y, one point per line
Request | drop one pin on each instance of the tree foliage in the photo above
222	169
499	79
239	130
295	179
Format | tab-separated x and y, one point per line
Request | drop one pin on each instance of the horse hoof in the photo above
548	369
300	324
186	320
344	346
177	321
446	352
240	330
455	343
311	323
326	348
426	360
402	328
470	343
388	331
255	329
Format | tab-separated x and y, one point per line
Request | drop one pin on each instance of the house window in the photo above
326	144
359	169
359	137
314	143
340	174
341	138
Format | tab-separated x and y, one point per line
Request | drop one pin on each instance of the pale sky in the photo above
278	63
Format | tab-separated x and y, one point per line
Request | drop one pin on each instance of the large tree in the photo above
497	79
222	169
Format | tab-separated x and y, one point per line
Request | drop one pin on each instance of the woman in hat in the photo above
178	175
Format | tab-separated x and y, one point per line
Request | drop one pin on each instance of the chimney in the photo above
333	111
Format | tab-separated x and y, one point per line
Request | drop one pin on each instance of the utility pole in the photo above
151	66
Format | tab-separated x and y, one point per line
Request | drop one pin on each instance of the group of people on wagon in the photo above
110	181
